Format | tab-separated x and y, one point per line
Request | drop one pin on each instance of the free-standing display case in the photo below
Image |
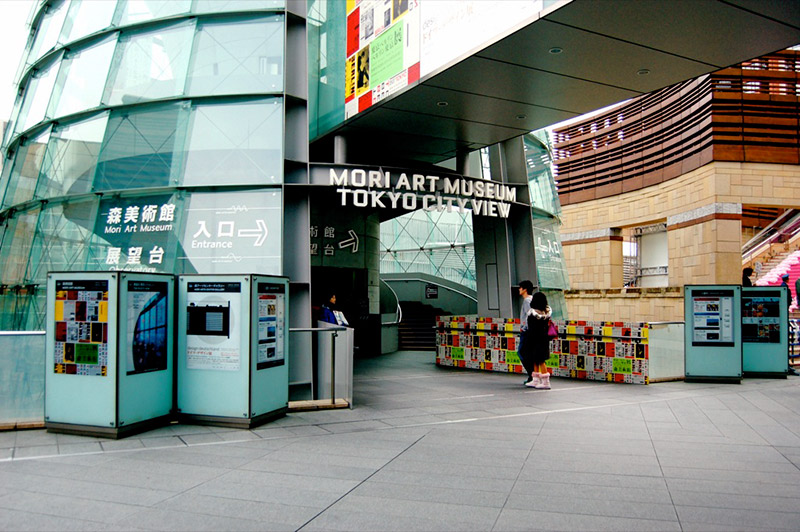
713	333
765	331
232	349
109	352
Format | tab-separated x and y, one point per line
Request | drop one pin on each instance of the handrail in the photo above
22	333
767	236
412	278
398	311
335	331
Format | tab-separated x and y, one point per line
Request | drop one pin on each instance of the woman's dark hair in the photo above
747	272
539	301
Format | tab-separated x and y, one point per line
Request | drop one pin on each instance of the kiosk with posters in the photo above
713	333
232	349
109	352
765	331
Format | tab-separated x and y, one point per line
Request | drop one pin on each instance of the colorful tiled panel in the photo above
594	350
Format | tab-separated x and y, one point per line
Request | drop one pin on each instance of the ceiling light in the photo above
521	117
442	104
556	50
643	71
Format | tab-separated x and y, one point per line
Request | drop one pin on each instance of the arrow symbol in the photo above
260	233
352	241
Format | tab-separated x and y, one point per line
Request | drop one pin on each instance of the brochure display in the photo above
713	333
232	349
109	352
765	331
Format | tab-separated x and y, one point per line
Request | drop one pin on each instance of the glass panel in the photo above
138	148
12	122
220	6
82	77
437	243
229	232
150	65
550	265
22	378
134	11
238	57
539	163
136	233
25	173
86	17
37	97
71	158
61	240
17	246
235	144
49	30
326	65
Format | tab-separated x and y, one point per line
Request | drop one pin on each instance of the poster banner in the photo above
81	327
147	343
212	326
271	330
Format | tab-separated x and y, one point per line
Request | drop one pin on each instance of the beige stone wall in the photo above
700	252
631	304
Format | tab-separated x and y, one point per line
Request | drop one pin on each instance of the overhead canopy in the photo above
573	58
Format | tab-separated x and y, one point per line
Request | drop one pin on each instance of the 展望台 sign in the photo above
378	188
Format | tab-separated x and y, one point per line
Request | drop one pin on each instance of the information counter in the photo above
605	351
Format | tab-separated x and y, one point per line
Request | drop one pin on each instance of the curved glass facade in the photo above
148	135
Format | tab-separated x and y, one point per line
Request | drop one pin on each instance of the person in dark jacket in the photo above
537	343
327	310
746	273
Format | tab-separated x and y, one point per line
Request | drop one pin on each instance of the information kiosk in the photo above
232	349
765	331
713	333
109	352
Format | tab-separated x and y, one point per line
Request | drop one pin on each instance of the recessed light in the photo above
643	72
556	50
521	117
442	104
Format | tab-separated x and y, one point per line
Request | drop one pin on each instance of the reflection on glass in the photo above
61	240
25	172
21	377
235	144
17	246
220	6
82	77
71	158
238	57
139	145
49	30
150	65
37	97
86	17
141	10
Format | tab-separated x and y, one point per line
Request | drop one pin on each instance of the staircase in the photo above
416	332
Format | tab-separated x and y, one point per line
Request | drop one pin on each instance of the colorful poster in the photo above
761	317
271	330
212	326
81	327
387	54
147	342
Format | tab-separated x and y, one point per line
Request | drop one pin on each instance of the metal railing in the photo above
334	330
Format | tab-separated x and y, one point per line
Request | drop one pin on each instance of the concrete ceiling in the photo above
516	85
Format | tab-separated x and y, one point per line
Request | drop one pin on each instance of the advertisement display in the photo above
712	318
212	341
761	317
81	327
148	306
271	330
382	43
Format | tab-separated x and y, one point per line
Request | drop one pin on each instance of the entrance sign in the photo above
713	333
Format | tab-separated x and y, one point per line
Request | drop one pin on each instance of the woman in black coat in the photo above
537	342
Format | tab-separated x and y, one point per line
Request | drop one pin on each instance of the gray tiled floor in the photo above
428	448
